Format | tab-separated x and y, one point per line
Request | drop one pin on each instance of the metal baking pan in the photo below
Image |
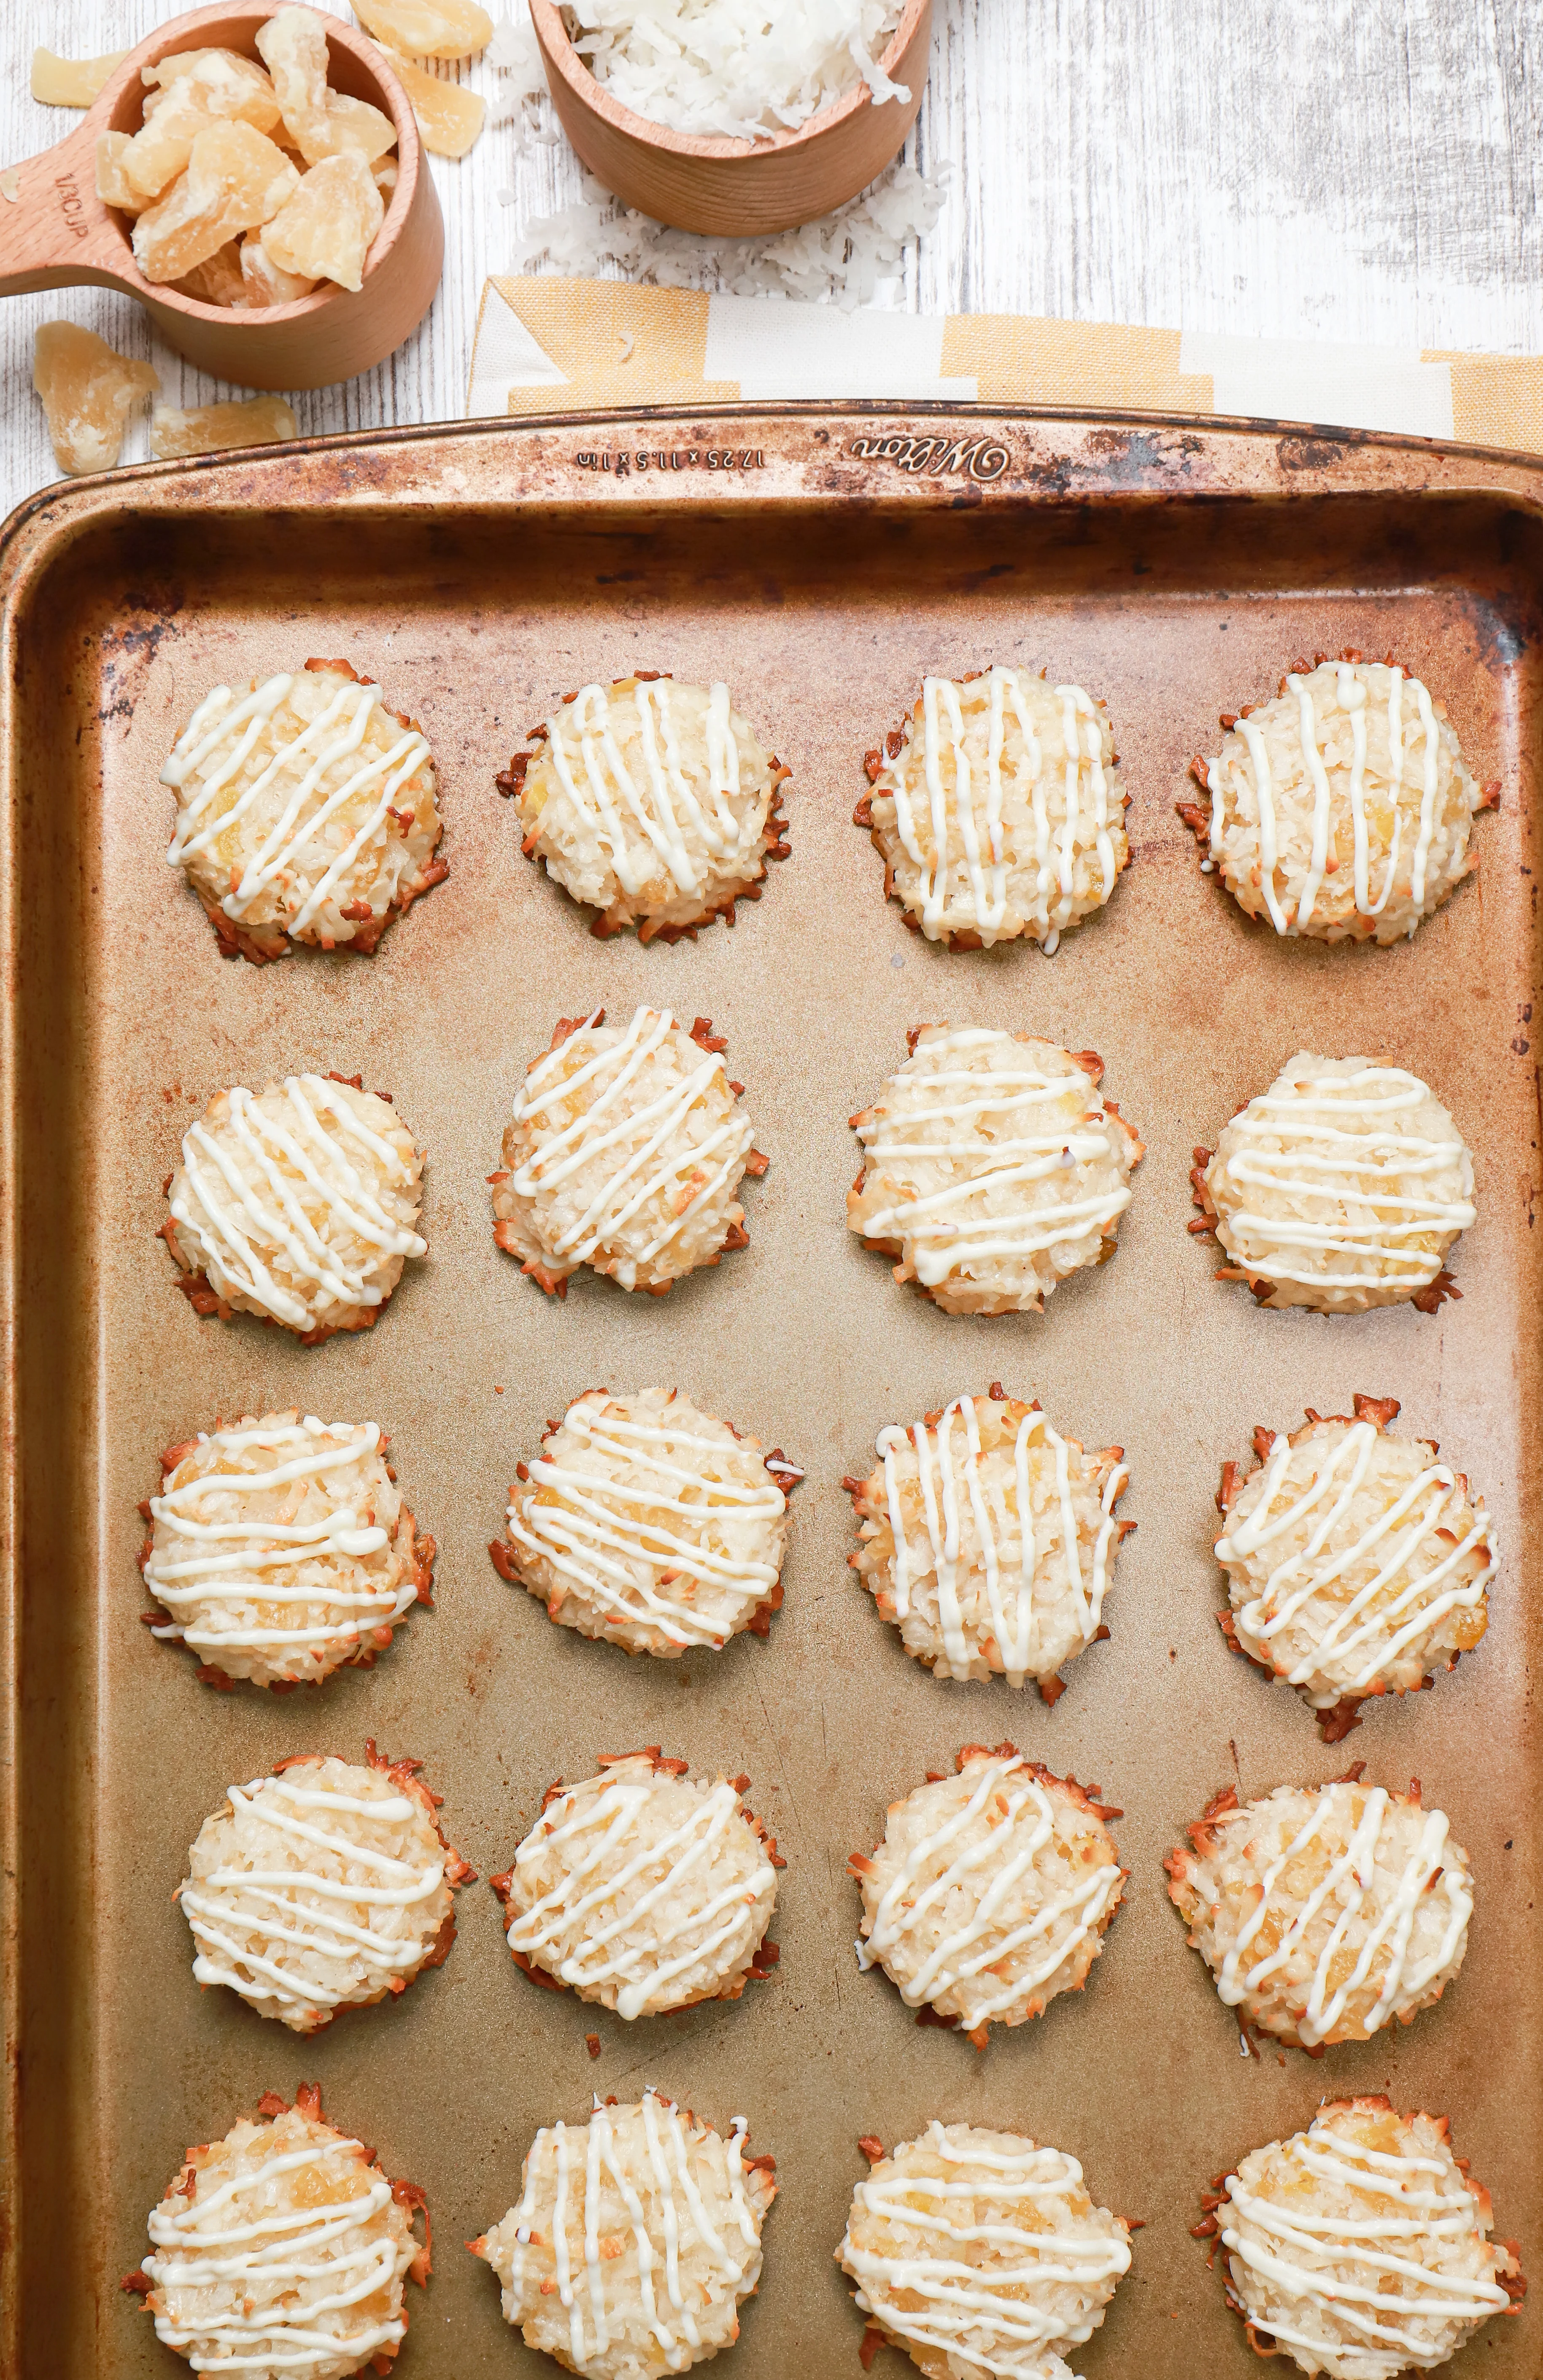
819	560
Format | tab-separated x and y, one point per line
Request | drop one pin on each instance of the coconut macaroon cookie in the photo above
993	1168
283	2248
644	1889
998	808
1356	1563
1342	808
634	2240
991	1891
306	811
624	1153
296	1202
282	1549
1324	1912
977	2252
1360	2248
654	803
1342	1187
649	1524
325	1886
989	1540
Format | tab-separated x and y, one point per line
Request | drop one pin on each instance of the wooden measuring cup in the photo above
58	233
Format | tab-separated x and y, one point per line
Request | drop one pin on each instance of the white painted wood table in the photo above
1316	169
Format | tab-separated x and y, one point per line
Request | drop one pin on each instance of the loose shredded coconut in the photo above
840	259
514	49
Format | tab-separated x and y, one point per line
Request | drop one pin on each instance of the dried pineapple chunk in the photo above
354	124
112	183
218	88
322	123
218	281
88	392
326	227
72	82
178	63
265	284
449	116
204	429
235	179
293	47
385	172
427	28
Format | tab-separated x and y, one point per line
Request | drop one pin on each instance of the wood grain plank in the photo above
1285	168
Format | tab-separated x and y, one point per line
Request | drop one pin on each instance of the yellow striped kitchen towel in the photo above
551	346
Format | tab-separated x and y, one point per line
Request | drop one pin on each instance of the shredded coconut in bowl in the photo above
841	258
737	69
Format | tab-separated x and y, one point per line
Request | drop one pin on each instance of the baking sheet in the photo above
1174	569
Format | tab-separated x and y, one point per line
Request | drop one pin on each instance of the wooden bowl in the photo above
737	186
59	233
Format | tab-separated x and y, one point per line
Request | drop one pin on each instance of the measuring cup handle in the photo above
56	232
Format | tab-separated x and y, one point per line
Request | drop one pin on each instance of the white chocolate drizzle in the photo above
1403	1598
216	741
983	1875
245	1561
1025	1147
235	1219
1322	1164
979	831
1348	1887
639	1138
1012	1625
289	1907
684	2223
641	826
270	2248
614	1540
1407	2201
1225	774
985	2318
589	1838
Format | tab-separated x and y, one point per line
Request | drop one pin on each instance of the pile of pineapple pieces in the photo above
251	184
